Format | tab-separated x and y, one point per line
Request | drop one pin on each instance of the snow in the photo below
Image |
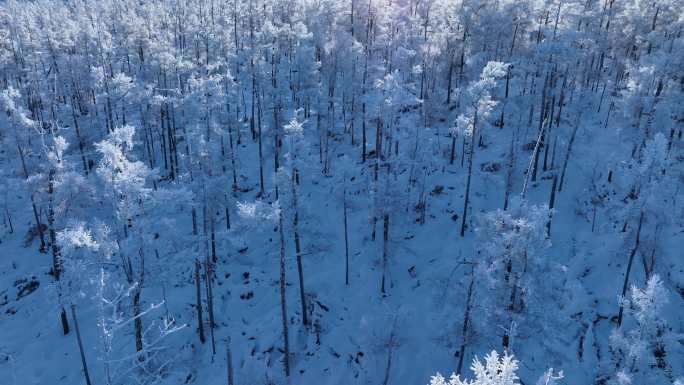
416	326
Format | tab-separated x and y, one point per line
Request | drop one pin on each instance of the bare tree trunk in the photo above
552	203
80	345
213	238
453	148
346	236
198	293
449	79
629	268
137	322
567	154
390	349
509	173
298	249
79	138
283	300
261	152
208	273
229	363
56	262
466	322
385	244
471	153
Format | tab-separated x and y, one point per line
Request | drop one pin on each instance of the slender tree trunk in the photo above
80	345
390	350
138	323
229	363
509	173
567	155
283	300
453	148
79	138
208	274
552	203
471	154
629	268
298	249
261	156
385	251
346	236
466	322
56	262
136	306
198	304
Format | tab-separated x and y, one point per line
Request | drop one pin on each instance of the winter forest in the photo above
250	192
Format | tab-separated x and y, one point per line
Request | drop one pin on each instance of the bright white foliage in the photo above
294	127
479	98
646	308
258	210
76	237
649	302
550	377
496	370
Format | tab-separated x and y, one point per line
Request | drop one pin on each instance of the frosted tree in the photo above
94	251
479	105
512	245
125	183
294	131
648	204
22	126
647	342
495	370
66	194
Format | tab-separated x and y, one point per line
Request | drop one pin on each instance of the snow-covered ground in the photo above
357	334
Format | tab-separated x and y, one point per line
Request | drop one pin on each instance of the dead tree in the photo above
509	173
80	345
283	299
552	203
390	349
56	262
567	155
208	274
229	363
385	251
466	321
137	292
346	236
629	268
298	248
198	304
471	153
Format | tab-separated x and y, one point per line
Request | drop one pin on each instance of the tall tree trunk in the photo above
208	274
629	268
471	154
509	173
390	350
198	303
80	345
229	363
298	249
138	323
283	300
346	236
552	203
385	251
567	155
56	262
466	322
